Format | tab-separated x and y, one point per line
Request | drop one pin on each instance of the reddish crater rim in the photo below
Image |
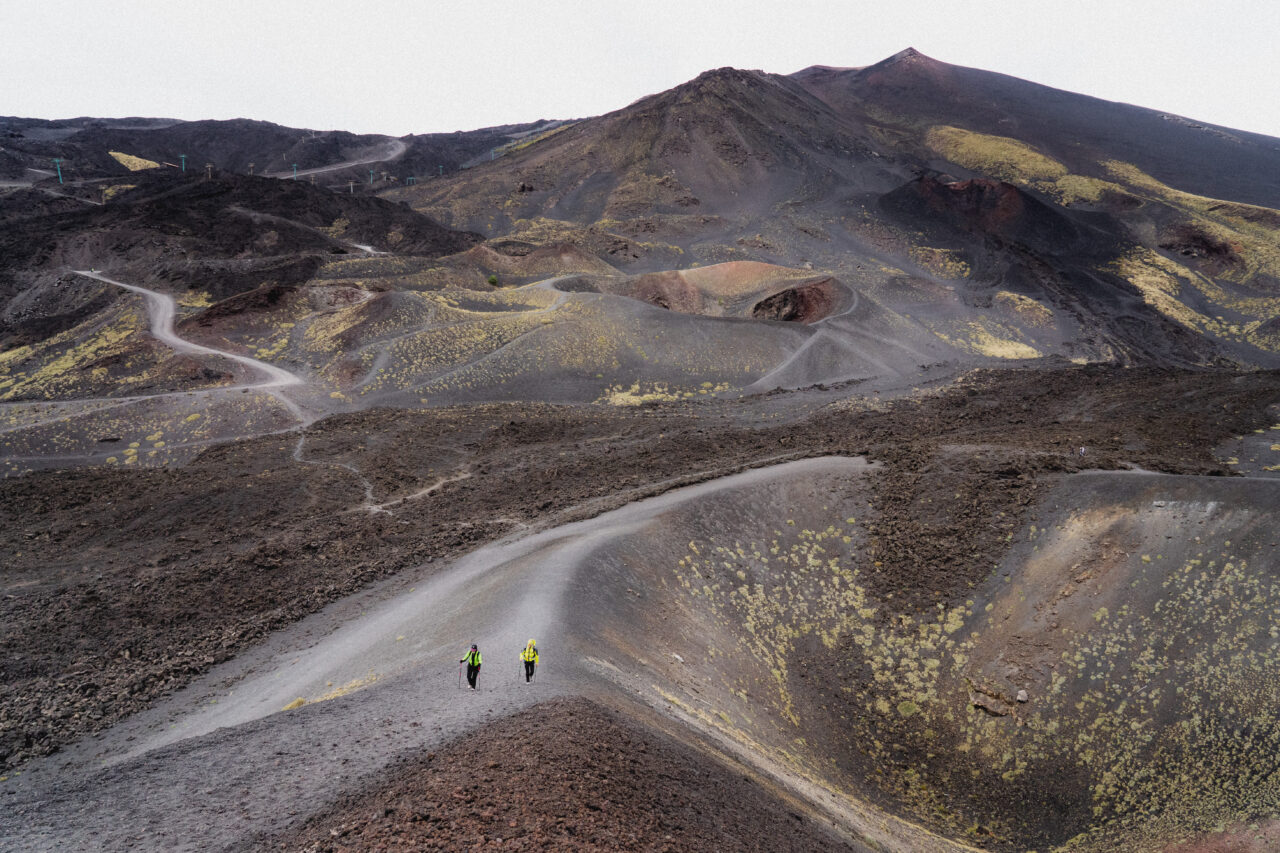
804	303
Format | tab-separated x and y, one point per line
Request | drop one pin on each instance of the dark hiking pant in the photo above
528	670
473	672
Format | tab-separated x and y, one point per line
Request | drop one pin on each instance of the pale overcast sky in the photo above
387	66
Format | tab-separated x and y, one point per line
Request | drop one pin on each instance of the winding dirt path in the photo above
161	310
264	377
221	762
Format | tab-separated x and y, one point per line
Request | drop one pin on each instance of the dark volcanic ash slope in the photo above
1179	216
730	144
85	145
910	91
1047	272
220	236
237	145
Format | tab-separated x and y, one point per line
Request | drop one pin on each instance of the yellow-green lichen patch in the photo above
997	156
640	392
132	163
195	300
987	336
1171	289
534	139
110	192
337	228
943	263
1157	708
350	687
1252	233
72	361
1076	189
1024	308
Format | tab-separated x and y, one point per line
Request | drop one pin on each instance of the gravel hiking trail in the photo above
162	310
220	763
392	149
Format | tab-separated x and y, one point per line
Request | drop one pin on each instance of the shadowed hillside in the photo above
909	94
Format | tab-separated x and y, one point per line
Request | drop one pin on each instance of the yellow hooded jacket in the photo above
530	653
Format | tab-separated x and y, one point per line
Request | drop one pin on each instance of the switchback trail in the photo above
267	378
161	309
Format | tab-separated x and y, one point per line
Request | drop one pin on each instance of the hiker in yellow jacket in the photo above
530	657
472	660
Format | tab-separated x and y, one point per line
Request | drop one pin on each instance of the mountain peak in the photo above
726	74
717	81
909	57
909	53
908	63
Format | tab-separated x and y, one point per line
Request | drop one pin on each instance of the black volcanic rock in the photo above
232	210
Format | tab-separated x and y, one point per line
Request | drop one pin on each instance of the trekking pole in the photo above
459	676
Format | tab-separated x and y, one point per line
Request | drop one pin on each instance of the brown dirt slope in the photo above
567	775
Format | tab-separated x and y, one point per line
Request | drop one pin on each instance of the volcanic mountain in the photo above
1006	216
909	94
858	444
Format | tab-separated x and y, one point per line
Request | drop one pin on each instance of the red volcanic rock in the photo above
740	289
669	290
807	303
978	204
